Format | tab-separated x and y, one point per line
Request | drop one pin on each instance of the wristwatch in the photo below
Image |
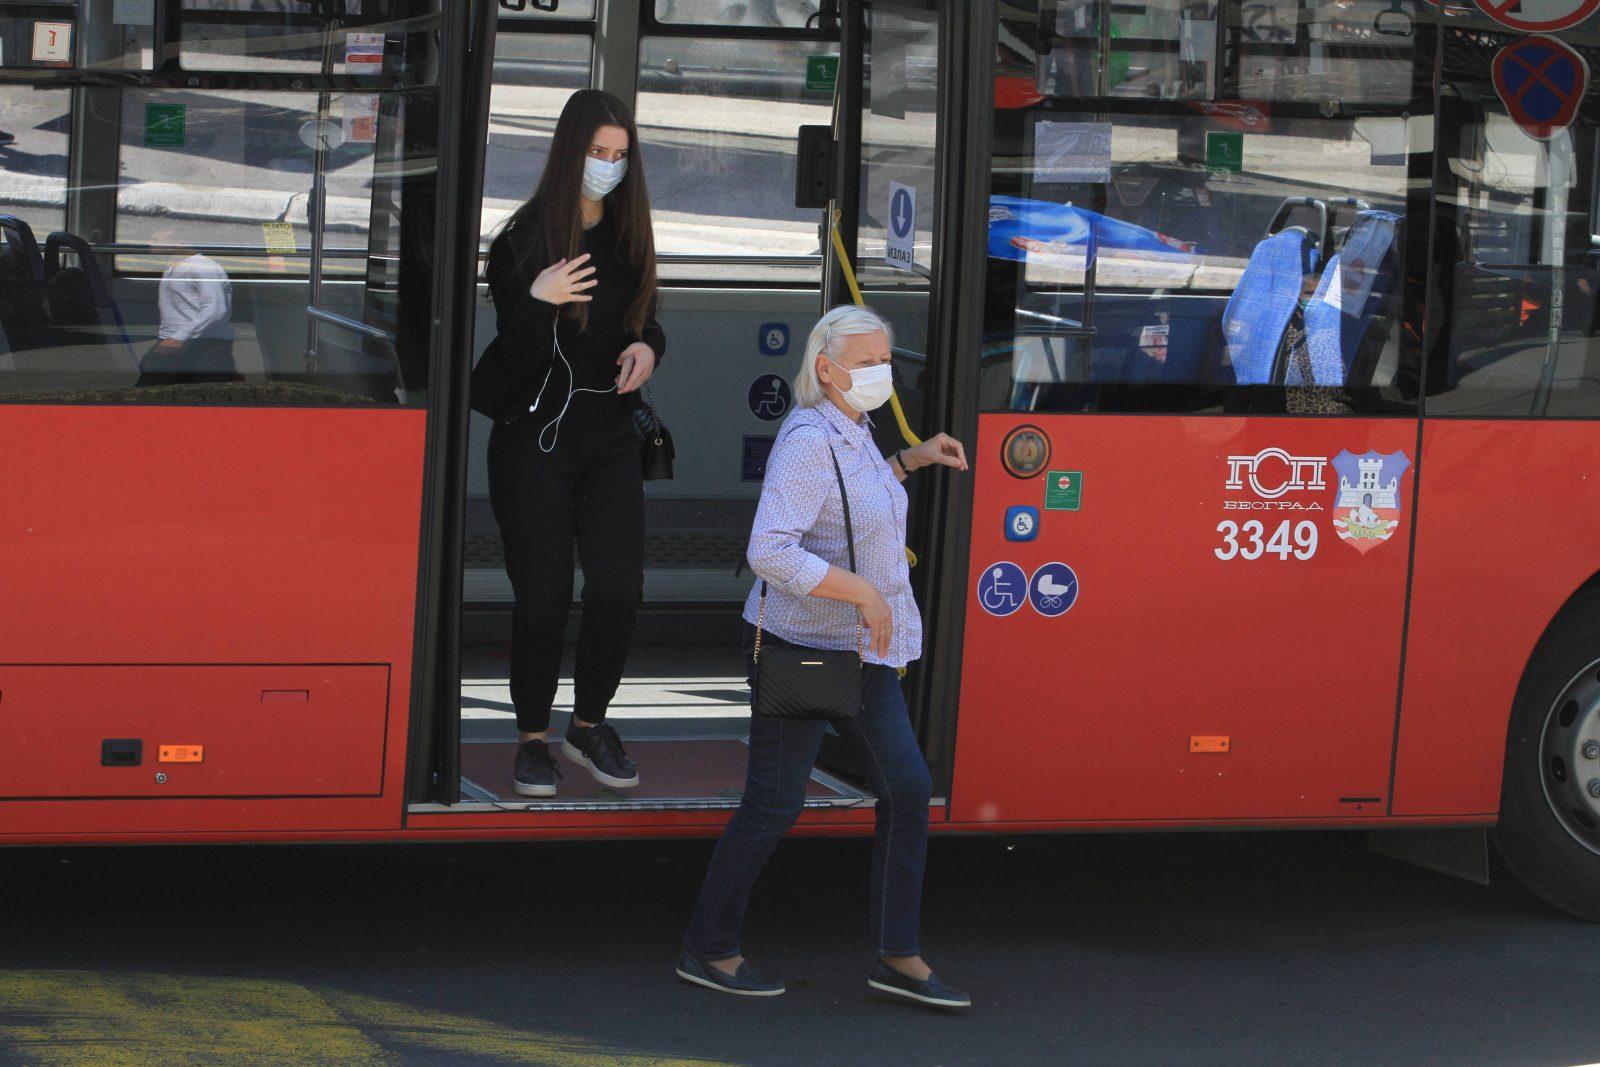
899	459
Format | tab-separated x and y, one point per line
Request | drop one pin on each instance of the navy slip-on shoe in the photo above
746	982
934	992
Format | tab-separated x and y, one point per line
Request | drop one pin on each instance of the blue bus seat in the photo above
1356	282
1259	309
81	309
22	292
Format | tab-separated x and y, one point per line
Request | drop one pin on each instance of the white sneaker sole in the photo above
576	755
533	790
918	997
697	980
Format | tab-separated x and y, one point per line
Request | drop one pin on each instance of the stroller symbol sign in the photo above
1053	590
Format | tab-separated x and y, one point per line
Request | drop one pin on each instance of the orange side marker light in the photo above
1209	743
181	754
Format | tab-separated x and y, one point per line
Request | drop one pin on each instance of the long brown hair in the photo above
554	204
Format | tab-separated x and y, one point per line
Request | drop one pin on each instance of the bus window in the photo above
1280	50
790	14
1518	262
534	74
1239	254
288	36
34	163
224	239
720	119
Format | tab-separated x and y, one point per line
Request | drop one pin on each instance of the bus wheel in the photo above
1549	831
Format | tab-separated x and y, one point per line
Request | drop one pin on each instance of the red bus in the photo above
1269	326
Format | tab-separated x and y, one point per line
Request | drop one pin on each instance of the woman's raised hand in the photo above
564	281
941	448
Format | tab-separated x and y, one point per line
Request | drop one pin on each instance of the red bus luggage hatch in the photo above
192	731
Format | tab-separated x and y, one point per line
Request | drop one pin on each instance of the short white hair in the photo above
847	320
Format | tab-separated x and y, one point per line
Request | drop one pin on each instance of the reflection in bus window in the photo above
534	74
34	125
186	275
1518	268
1263	50
293	37
1185	263
719	119
228	169
771	14
1221	245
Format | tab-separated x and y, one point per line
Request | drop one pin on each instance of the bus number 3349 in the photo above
1245	542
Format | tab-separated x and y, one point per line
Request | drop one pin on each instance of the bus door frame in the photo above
466	70
939	526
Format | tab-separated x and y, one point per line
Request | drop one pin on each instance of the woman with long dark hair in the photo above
573	275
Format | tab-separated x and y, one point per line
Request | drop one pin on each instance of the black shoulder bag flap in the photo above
655	442
809	683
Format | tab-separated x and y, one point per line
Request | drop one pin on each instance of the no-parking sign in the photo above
1536	16
1541	82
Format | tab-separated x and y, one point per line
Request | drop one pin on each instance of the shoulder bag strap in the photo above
850	547
844	498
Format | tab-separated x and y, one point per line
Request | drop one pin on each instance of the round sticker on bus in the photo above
1536	16
1025	451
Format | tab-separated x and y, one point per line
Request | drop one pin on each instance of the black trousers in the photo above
589	490
201	359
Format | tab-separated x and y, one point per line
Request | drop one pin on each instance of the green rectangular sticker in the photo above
1225	150
163	125
822	73
1063	490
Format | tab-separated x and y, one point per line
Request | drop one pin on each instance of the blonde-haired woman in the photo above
798	551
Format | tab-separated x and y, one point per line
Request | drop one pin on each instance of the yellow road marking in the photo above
76	1018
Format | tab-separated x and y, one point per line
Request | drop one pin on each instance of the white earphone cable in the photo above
572	390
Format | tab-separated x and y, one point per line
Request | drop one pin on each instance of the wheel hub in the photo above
1569	751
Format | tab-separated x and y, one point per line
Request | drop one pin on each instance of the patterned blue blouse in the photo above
799	531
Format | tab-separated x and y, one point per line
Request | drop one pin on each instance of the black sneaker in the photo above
600	750
536	771
933	992
745	982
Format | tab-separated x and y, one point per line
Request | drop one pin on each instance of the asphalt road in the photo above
1270	948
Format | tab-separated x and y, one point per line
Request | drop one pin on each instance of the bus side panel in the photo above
1505	534
167	538
1186	681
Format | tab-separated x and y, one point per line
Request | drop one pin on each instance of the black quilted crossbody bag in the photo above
809	683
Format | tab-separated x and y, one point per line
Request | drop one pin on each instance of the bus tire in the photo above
1549	829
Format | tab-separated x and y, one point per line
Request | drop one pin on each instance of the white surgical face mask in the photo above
600	177
869	386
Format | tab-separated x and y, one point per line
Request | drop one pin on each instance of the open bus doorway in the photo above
742	270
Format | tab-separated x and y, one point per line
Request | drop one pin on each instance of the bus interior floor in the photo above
683	711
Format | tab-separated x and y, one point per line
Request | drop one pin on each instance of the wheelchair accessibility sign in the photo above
769	398
1002	588
1053	590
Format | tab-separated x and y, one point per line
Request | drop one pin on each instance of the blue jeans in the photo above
782	752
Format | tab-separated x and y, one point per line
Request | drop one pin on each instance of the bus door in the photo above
1196	456
895	113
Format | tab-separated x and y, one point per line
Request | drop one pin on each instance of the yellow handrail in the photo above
855	294
894	398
